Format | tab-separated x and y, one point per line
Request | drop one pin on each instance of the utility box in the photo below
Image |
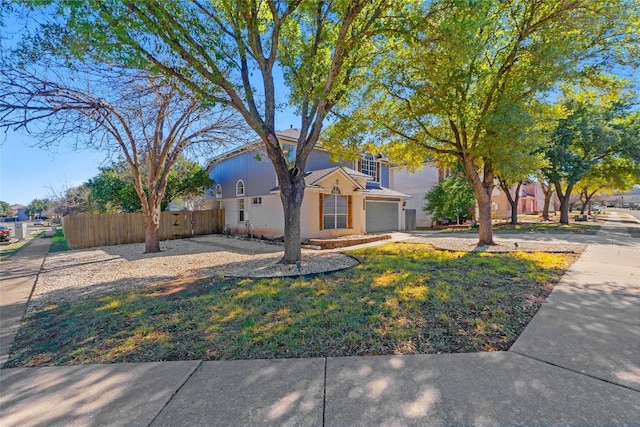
21	230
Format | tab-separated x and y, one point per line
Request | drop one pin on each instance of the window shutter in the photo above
349	212
321	213
378	166
359	165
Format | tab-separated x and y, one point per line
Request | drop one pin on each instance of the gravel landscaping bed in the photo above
68	276
72	275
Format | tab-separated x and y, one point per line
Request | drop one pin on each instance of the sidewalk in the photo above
17	277
577	363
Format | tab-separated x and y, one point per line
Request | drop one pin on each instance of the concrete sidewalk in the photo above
577	363
18	275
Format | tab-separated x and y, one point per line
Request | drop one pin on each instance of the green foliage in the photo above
186	180
452	198
597	136
467	82
113	190
38	206
5	208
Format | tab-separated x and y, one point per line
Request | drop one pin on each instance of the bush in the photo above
452	198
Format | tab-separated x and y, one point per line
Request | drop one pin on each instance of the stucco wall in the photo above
416	184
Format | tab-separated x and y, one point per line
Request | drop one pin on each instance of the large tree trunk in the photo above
152	231
564	202
482	188
292	203
151	235
151	214
547	201
545	207
485	236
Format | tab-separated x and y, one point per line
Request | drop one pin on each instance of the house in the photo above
18	213
417	184
531	200
341	198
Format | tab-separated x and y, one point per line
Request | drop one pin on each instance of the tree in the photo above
70	200
5	208
232	53
113	189
547	190
597	130
38	206
452	198
615	174
149	120
466	82
188	181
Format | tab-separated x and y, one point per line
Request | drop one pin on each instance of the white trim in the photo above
244	189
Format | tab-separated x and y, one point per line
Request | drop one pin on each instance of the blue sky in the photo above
28	173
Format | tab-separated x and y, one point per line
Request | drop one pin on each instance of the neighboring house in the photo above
531	201
417	184
341	198
19	213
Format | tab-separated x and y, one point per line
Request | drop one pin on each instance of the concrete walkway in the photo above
577	363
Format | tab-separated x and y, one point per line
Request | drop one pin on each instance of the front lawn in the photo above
402	298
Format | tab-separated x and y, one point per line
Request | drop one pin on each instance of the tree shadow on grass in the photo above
402	299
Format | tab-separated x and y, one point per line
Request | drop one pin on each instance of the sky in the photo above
28	173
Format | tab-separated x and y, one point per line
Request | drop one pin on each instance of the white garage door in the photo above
381	216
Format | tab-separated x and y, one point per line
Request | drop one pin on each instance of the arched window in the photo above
218	191
240	188
370	167
335	210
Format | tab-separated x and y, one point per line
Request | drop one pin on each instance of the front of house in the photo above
341	198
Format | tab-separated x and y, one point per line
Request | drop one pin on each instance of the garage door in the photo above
381	216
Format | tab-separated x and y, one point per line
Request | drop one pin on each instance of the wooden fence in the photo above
87	231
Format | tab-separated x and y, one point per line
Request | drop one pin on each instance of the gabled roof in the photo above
289	135
312	178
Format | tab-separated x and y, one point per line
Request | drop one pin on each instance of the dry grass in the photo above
401	299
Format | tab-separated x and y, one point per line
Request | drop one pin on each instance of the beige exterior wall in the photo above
264	219
267	219
310	214
500	207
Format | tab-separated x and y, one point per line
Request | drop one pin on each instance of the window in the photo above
240	188
369	166
335	210
218	191
256	201
241	210
289	152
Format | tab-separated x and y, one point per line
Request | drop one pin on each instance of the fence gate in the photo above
410	219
